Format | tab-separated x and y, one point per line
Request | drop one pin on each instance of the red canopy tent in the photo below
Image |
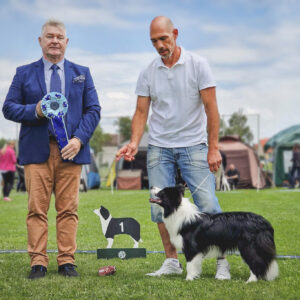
245	160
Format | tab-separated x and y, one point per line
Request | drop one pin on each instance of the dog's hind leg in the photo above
257	264
252	278
194	267
260	257
110	242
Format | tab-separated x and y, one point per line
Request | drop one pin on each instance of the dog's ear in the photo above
181	189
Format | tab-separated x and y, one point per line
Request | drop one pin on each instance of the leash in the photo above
148	252
199	186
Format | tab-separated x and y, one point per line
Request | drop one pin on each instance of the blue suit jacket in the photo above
29	87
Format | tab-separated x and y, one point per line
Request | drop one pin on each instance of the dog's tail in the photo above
266	245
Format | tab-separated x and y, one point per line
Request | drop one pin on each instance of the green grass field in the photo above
280	207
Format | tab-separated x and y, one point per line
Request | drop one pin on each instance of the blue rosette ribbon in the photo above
54	107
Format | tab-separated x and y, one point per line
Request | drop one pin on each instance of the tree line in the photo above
237	125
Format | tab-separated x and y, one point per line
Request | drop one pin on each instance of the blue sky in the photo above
253	48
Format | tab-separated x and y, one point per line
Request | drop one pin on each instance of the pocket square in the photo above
79	79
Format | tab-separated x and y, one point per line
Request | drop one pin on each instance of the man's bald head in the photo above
163	23
163	36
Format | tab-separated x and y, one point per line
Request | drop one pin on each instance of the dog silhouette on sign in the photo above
113	226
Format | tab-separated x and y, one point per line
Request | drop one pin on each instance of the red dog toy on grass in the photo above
107	270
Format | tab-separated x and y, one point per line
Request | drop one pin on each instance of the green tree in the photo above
2	142
238	126
98	139
222	128
124	124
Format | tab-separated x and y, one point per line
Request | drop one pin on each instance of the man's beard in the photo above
167	56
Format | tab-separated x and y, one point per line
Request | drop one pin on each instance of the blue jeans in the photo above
162	164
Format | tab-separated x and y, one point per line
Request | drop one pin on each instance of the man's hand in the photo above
128	152
214	160
39	110
71	150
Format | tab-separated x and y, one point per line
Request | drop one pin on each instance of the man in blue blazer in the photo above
47	169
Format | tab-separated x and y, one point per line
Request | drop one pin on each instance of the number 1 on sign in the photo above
122	226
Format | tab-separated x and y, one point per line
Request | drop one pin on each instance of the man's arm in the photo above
233	176
214	158
137	129
15	107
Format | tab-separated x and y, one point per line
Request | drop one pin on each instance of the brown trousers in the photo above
63	178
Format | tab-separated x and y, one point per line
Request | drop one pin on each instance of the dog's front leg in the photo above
110	242
194	267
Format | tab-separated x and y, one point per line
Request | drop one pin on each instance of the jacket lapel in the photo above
41	76
68	82
68	78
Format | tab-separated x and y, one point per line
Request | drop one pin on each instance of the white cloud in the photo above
78	12
117	95
259	72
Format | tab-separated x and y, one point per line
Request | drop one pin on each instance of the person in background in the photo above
21	178
295	171
47	168
233	176
221	171
180	88
8	168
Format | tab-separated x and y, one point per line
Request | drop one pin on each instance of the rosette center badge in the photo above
54	105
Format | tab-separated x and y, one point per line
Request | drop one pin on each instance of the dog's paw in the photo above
192	276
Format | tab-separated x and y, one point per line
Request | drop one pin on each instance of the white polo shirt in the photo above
178	117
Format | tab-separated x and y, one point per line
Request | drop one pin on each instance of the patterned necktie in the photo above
55	86
55	82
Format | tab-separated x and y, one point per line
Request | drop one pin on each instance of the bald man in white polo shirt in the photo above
183	130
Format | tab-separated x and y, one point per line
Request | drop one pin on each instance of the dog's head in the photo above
154	191
168	198
102	212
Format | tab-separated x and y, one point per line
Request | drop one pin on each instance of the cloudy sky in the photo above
253	47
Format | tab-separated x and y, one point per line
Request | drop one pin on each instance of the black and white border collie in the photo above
113	226
201	235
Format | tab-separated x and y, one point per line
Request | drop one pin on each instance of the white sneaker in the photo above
170	266
223	269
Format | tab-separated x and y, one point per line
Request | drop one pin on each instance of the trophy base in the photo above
122	253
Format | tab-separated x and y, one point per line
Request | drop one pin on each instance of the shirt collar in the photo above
48	64
181	60
182	57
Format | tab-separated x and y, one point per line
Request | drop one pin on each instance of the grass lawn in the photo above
280	207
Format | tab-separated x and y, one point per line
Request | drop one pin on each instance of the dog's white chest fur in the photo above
185	213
